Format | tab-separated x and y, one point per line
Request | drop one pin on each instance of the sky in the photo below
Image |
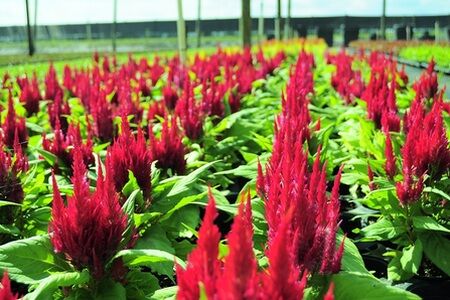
51	12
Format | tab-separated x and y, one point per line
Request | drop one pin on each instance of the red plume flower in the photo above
30	95
130	153
5	289
89	229
239	277
330	293
168	150
59	110
389	166
12	124
52	86
190	113
282	280
203	265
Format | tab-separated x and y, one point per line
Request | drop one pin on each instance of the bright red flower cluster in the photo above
130	153
237	276
290	191
14	125
5	289
89	229
380	93
347	82
168	150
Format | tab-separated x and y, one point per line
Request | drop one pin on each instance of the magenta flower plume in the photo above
89	229
170	96
5	289
30	95
190	113
389	165
130	153
203	264
239	278
12	124
52	86
282	279
168	150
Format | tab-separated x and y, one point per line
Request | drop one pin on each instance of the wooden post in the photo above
278	21
246	29
436	32
383	22
181	32
287	22
261	22
197	24
29	31
113	29
35	19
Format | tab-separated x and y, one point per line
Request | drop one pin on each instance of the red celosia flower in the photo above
282	280
190	113
212	98
13	123
239	277
51	84
288	186
10	185
130	153
347	82
170	96
101	110
156	108
426	86
203	265
59	110
30	95
5	289
168	150
330	293
89	229
389	166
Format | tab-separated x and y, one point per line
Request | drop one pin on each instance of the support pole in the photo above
181	31
261	22
29	31
246	29
278	21
383	22
287	23
113	29
197	24
35	20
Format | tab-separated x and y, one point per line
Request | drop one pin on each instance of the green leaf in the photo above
165	293
109	289
395	269
351	259
412	257
357	286
31	260
437	192
182	203
428	223
6	203
134	257
383	229
437	249
49	285
184	182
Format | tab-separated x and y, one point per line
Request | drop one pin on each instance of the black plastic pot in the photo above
430	288
376	265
